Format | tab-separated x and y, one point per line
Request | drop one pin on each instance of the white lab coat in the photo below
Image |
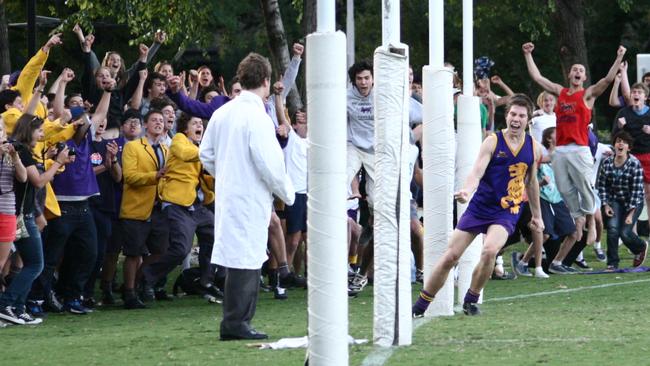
240	150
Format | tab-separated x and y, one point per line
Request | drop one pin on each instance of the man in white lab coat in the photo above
240	150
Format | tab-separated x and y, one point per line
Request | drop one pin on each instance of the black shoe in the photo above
280	293
52	304
471	309
7	314
134	303
298	281
75	307
212	290
293	280
162	295
250	334
107	297
147	294
35	309
583	265
89	302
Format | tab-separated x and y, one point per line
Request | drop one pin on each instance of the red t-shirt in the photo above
573	117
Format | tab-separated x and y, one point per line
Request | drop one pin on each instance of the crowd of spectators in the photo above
112	171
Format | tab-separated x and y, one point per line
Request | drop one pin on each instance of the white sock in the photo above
557	263
597	245
499	261
580	257
539	272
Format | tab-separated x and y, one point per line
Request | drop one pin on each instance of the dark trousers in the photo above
104	226
617	228
183	224
240	299
75	234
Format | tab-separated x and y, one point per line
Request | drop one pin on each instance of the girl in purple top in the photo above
505	166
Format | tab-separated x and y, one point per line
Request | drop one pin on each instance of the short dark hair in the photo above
546	135
232	82
151	112
647	74
358	67
150	80
130	114
25	126
253	70
625	136
7	96
66	102
162	102
206	90
183	121
521	100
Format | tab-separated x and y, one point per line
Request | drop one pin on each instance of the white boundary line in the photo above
379	355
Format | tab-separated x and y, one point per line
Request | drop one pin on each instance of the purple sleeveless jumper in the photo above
498	199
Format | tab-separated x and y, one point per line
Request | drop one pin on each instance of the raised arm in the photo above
59	99
190	106
625	83
614	100
38	93
599	88
136	99
501	100
159	38
291	72
534	73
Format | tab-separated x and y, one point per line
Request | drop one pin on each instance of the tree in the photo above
5	60
279	47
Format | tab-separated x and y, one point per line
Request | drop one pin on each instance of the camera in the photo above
17	145
61	145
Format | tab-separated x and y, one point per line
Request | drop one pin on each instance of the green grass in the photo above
601	326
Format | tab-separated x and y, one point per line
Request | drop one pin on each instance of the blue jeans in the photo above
616	228
31	252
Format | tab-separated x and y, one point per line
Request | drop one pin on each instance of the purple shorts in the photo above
472	223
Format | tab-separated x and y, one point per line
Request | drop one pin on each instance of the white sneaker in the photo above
539	273
29	320
7	314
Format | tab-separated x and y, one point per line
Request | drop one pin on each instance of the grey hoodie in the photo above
361	120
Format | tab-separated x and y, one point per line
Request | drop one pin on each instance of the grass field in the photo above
575	324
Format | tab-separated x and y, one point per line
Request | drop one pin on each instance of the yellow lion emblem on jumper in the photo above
515	187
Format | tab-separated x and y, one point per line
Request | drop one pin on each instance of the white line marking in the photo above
379	355
524	296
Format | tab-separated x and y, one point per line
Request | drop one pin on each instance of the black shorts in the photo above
557	219
145	237
297	215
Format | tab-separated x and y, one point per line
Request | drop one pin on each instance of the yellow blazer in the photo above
139	169
184	174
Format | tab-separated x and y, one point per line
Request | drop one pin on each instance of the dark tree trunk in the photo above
279	47
309	16
570	28
5	63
